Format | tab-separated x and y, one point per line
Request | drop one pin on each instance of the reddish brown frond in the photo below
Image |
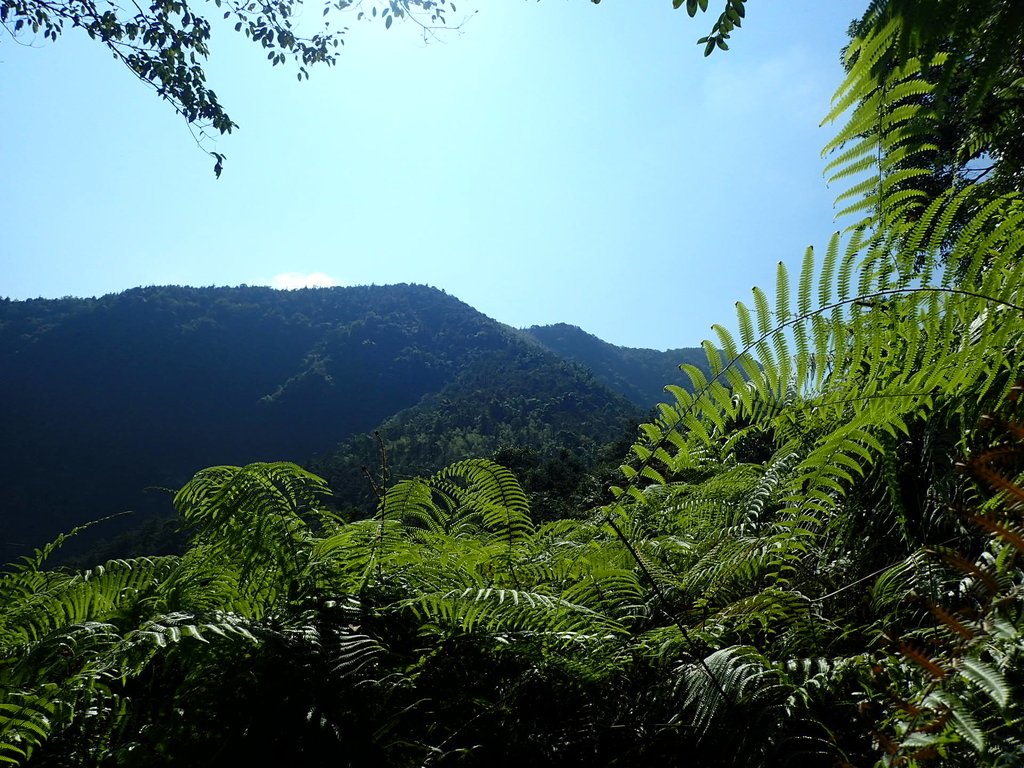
952	623
1002	531
984	472
966	566
935	725
931	666
887	744
1011	427
907	706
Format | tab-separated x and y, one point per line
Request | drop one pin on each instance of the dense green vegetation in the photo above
812	558
111	401
639	374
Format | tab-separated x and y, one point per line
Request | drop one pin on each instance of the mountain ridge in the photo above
109	396
639	373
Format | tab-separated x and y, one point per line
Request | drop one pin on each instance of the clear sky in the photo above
553	161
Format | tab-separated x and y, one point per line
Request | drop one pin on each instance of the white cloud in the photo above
289	281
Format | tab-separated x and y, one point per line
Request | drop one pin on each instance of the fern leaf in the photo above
782	308
923	660
987	678
805	283
746	324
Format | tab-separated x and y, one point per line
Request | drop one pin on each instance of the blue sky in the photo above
556	161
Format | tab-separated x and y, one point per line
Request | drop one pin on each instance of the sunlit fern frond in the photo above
40	555
20	592
358	554
163	632
871	362
62	680
617	592
564	552
510	615
256	518
816	677
219	496
467	497
885	142
902	592
443	565
731	680
63	653
735	564
200	582
419	504
760	616
110	593
495	492
27	719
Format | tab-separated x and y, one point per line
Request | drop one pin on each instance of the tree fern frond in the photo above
763	614
697	379
860	157
414	502
962	719
746	324
745	682
217	495
861	56
26	720
847	267
351	557
512	612
104	593
353	653
858	191
986	678
40	555
611	591
806	282
826	281
494	492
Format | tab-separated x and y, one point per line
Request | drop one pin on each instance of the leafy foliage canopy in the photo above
813	556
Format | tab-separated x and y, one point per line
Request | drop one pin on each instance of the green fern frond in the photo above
763	614
730	680
509	613
962	719
257	518
986	678
217	496
40	555
352	653
813	678
173	628
59	600
26	721
353	556
861	56
414	503
494	493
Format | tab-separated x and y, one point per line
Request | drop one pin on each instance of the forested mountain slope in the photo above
105	398
518	397
639	374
